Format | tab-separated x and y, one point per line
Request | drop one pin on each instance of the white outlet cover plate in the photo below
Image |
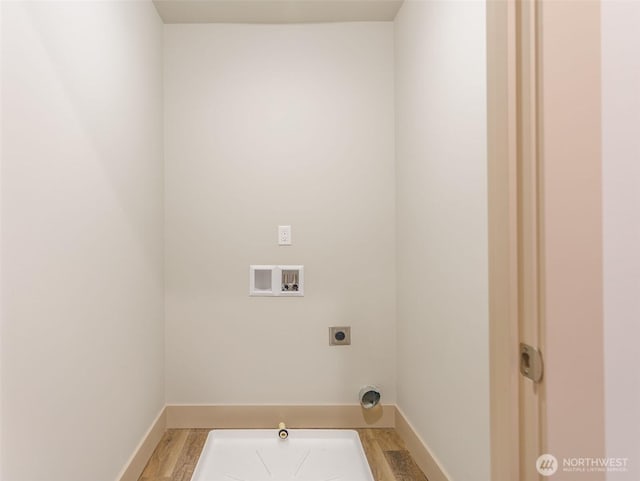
284	235
259	454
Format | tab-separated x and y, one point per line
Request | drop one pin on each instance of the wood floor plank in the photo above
388	440
186	465
193	446
184	472
163	461
403	466
377	462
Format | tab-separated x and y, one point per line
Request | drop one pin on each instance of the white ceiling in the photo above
276	11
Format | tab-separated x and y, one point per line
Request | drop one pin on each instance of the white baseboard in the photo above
143	452
268	416
419	450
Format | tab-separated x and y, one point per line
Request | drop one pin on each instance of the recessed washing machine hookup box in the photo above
276	281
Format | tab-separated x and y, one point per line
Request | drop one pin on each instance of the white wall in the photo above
82	239
621	224
442	295
268	125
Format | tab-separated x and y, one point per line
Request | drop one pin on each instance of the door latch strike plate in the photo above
531	362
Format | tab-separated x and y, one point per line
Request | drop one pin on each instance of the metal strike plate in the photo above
531	362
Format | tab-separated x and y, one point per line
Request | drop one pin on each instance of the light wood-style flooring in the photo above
175	457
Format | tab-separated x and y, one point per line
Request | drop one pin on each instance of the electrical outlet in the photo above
284	235
340	336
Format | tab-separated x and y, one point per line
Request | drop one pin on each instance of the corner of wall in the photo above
141	455
424	458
